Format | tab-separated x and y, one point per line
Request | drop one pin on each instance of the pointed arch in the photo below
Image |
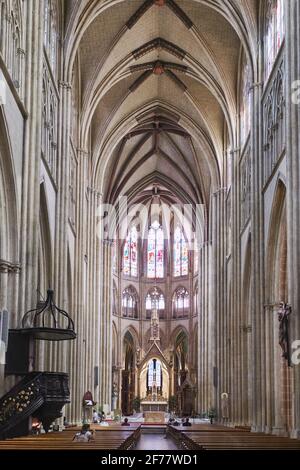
115	348
246	334
9	227
276	225
131	332
277	291
128	372
130	302
181	303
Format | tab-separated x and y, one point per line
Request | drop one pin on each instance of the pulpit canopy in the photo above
48	322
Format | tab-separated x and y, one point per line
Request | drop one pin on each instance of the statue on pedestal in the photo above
283	318
87	406
115	394
224	406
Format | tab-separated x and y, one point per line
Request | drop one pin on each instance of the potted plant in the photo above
136	404
117	415
211	414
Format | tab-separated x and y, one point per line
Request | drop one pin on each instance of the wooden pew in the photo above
103	439
176	431
235	440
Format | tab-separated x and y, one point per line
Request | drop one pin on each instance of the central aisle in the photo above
155	442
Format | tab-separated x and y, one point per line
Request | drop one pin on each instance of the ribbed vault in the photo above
158	91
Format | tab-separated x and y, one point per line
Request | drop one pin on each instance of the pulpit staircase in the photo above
38	394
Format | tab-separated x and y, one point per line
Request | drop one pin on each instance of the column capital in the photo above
220	190
108	242
256	85
65	85
83	152
246	329
20	51
94	192
272	305
233	151
8	267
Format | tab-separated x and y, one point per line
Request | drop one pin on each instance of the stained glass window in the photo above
196	256
130	258
155	252
148	302
196	299
115	298
150	373
180	251
181	303
274	32
154	373
114	259
158	374
51	32
245	99
129	303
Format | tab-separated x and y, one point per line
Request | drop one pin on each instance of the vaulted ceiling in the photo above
158	88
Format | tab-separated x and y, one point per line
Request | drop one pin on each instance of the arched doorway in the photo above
128	374
280	417
181	379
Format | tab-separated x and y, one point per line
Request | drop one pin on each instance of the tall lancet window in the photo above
245	99
130	257
154	374
273	32
180	251
155	252
51	32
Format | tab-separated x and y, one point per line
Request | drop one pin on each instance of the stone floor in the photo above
155	442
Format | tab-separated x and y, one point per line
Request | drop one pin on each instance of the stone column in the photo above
292	67
31	160
60	351
205	372
105	359
217	294
8	275
79	346
257	265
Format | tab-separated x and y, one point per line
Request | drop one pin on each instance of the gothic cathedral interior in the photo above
150	212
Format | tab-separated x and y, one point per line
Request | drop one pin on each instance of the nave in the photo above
150	217
200	437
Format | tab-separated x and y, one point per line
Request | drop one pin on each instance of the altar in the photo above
149	405
154	417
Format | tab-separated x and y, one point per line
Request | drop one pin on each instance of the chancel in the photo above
150	223
157	374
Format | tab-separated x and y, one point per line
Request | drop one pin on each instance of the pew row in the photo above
104	439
